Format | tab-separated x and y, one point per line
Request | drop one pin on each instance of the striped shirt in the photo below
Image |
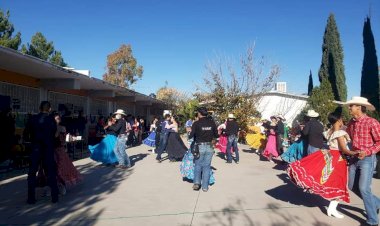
365	134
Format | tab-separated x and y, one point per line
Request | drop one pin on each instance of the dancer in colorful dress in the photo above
255	137
67	174
187	168
103	151
151	139
222	142
325	171
271	147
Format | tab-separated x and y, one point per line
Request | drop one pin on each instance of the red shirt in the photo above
365	134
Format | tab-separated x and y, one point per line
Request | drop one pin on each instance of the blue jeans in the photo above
312	149
371	202
162	145
232	142
202	168
120	153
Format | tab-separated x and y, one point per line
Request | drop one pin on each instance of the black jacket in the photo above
232	128
313	132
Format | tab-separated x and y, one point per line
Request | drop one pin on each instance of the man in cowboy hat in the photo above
313	131
232	129
365	134
121	132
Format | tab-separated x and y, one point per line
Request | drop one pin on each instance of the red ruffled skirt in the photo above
323	173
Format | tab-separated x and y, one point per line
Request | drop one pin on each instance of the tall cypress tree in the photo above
370	71
332	66
310	85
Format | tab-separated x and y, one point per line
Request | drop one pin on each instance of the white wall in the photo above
281	103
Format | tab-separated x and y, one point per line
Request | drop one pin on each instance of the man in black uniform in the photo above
203	131
43	128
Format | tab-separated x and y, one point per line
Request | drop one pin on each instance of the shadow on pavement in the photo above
98	182
136	158
235	214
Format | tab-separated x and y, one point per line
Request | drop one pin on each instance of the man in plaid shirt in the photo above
365	135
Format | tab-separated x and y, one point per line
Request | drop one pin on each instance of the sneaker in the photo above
237	162
204	189
229	162
196	187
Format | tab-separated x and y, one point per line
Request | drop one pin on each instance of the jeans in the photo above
366	168
312	149
162	144
202	168
232	142
119	150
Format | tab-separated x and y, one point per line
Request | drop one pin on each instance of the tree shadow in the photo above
137	157
235	214
74	208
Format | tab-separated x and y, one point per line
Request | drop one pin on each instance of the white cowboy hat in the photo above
231	116
281	117
119	112
312	114
167	112
362	102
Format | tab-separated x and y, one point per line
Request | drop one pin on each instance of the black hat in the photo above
202	111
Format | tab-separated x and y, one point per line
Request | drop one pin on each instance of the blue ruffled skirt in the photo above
187	168
295	152
150	140
103	152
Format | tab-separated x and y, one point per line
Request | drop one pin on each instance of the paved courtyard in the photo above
254	193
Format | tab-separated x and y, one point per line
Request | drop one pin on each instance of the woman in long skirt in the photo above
67	174
270	150
325	172
103	152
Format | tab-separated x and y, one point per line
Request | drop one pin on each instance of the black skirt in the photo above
175	147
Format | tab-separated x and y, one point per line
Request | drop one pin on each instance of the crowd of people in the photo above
322	161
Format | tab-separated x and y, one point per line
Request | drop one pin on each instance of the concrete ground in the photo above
254	192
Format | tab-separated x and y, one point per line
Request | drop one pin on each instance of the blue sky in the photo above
173	40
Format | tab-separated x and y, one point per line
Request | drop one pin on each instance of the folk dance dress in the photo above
324	172
187	168
255	139
271	147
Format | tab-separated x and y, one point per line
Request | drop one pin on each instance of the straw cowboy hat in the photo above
119	112
362	102
312	114
231	116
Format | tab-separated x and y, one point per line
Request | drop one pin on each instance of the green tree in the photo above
370	70
41	48
310	85
56	58
122	68
6	32
321	100
332	66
